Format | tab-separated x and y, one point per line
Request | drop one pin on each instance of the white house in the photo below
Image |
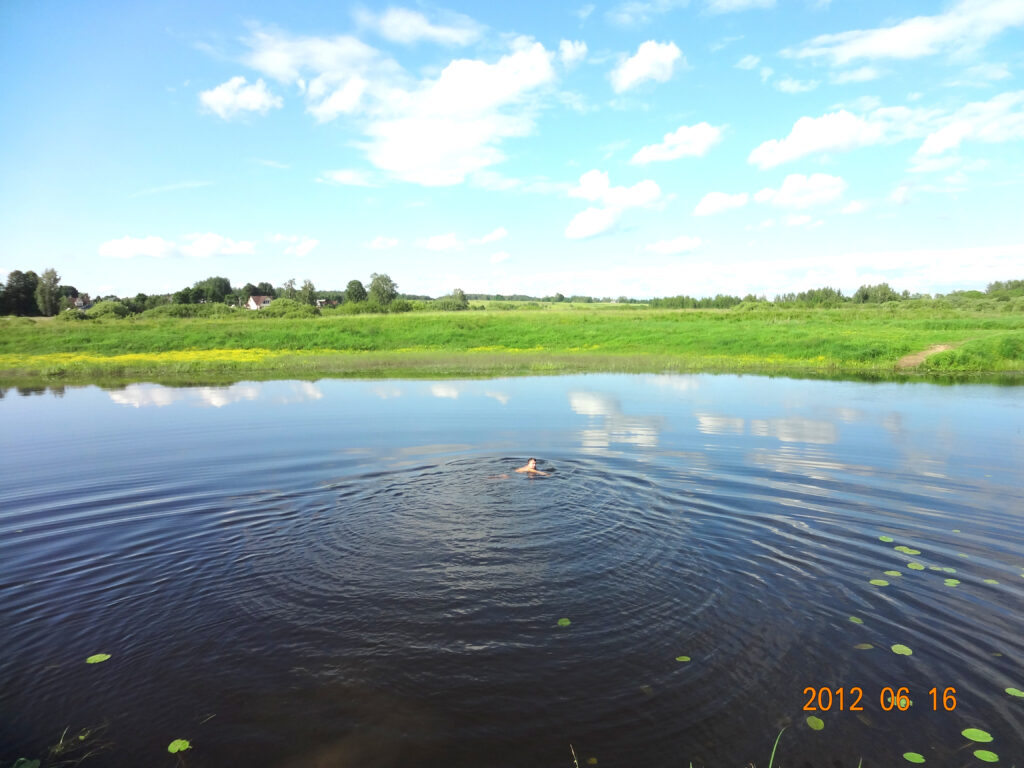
258	302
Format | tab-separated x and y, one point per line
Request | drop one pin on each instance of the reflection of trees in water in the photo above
29	391
615	426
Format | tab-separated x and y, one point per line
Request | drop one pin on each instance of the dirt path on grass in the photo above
914	360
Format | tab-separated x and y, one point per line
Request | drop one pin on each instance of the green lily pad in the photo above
879	582
947	569
915	566
913	757
990	581
951	582
886	539
564	622
682	658
956	530
893	573
96	658
178	745
1015	692
985	756
24	762
976	734
962	554
863	646
856	620
815	723
907	550
902	650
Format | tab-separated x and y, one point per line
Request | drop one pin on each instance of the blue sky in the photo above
642	148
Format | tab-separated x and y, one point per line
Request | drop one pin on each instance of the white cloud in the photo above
799	191
731	6
797	220
129	247
859	75
854	206
595	186
652	61
298	245
748	62
234	96
344	100
900	195
584	11
789	85
500	256
347	177
718	202
966	26
572	51
381	243
693	141
203	245
677	245
766	73
446	242
994	121
840	131
641	11
491	237
931	164
400	25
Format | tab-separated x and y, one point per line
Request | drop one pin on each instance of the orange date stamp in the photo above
851	699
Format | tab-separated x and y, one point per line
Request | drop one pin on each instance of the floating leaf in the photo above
907	550
902	650
1015	692
893	573
591	761
985	756
951	582
976	734
949	570
24	762
178	745
956	530
856	620
682	658
913	757
886	539
915	566
879	582
990	581
564	622
863	646
962	554
815	723
96	658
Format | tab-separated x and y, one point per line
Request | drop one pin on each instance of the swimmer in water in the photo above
531	468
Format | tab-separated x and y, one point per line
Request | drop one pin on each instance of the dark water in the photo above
336	574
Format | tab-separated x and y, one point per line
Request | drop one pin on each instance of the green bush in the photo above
190	310
70	315
288	308
107	309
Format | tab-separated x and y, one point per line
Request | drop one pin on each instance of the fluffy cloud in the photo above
234	96
676	245
854	206
297	245
731	6
748	62
640	11
491	237
572	51
347	177
197	245
500	256
717	202
799	191
994	121
400	25
968	25
693	141
841	131
595	186
859	75
381	243
652	61
789	85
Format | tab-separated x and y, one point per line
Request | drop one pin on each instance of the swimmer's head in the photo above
531	463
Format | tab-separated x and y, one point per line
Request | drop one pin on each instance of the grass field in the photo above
848	340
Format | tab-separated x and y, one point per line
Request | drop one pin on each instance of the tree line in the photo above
32	295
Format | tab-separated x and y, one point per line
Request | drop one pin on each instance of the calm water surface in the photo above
339	573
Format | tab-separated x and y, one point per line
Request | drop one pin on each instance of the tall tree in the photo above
288	290
47	293
383	289
21	293
213	289
266	289
308	293
355	291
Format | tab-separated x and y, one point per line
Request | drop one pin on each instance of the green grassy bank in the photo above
847	340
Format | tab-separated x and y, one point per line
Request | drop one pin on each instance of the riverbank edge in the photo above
266	365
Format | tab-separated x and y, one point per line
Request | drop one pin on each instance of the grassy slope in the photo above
852	339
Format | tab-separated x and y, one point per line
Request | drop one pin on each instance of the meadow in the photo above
509	339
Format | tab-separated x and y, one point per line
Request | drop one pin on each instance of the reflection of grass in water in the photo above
71	749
